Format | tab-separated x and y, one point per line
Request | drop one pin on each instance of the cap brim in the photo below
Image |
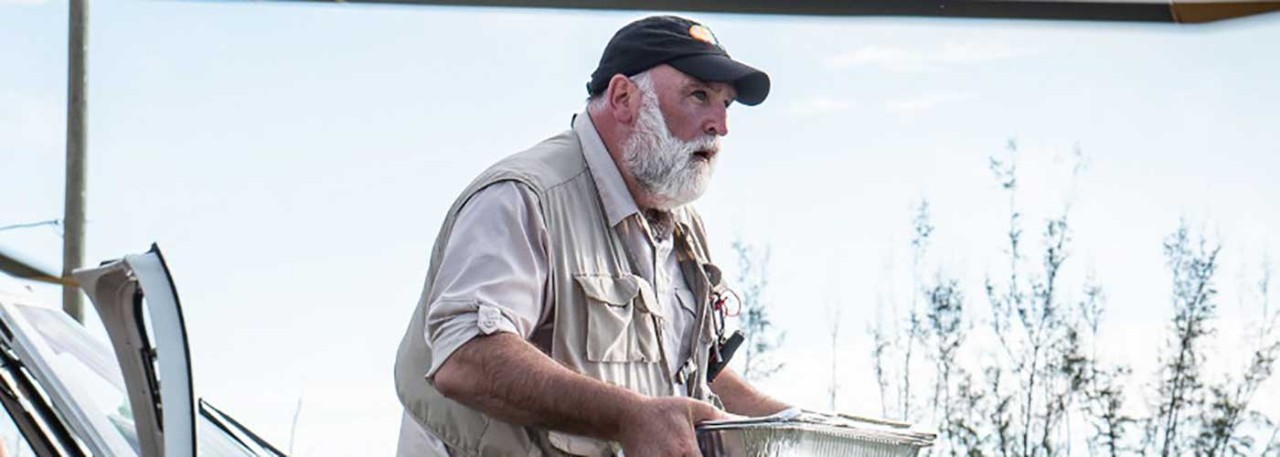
751	84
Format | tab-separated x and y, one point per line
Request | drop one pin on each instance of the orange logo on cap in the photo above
703	34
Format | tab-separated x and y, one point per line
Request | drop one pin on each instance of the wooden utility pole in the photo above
73	217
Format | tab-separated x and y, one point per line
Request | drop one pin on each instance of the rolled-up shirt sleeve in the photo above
493	273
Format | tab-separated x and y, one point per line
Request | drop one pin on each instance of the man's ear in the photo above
623	97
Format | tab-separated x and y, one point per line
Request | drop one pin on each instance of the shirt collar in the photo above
617	200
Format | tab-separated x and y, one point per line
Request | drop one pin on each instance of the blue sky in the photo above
294	161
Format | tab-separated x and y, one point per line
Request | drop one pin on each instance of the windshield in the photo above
220	435
217	442
86	369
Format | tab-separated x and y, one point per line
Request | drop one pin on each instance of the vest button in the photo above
488	320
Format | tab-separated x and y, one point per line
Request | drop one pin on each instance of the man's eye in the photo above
701	95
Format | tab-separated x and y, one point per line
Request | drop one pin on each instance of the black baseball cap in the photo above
684	44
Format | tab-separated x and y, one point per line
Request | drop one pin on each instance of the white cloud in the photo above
969	53
890	58
818	105
903	59
927	102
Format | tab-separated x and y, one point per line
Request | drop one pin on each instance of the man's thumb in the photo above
705	412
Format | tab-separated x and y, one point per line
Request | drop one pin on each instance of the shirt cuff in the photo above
446	337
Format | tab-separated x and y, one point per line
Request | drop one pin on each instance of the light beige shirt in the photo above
494	275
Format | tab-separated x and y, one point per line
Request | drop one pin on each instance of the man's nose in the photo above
718	123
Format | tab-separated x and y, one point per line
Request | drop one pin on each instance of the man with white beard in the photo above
571	305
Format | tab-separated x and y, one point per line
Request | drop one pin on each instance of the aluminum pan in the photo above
807	433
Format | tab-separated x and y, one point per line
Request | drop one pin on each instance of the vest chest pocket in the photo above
619	324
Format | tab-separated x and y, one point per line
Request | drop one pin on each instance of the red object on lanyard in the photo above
721	299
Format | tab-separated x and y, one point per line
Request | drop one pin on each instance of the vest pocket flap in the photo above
616	291
579	445
618	328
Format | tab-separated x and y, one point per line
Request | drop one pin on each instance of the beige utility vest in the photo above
606	318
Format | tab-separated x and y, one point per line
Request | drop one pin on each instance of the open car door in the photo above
139	308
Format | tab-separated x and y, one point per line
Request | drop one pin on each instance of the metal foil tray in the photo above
806	433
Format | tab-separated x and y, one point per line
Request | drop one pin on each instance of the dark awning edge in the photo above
1187	12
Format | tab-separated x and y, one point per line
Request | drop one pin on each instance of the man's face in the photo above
692	108
673	146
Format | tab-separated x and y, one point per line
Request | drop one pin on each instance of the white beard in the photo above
665	167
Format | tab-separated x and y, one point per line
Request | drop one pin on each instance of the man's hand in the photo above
660	427
740	398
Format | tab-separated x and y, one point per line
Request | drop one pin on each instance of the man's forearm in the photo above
740	398
507	378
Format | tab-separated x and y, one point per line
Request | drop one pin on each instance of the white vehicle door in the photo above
139	307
